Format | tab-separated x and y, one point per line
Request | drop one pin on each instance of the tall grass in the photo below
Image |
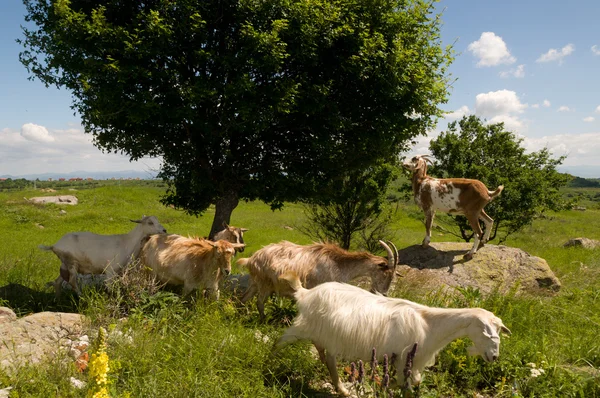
187	348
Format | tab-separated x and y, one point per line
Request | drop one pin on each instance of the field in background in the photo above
184	349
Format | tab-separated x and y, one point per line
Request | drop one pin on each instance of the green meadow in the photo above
195	348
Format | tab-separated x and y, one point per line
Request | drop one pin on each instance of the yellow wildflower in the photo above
98	368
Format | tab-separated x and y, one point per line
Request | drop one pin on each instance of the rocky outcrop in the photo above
61	199
583	242
36	337
492	268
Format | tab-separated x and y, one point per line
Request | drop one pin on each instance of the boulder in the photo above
237	284
61	199
33	338
7	315
583	242
492	268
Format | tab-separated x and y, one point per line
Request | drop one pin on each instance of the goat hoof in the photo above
468	256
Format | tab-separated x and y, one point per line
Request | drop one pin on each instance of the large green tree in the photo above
471	148
244	99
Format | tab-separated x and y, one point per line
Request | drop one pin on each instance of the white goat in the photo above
192	262
314	264
232	234
451	195
343	320
89	253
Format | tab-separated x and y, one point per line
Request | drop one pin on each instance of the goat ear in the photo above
244	229
137	221
505	330
225	225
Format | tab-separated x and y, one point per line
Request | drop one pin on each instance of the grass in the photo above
188	349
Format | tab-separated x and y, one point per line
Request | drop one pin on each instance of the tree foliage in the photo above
356	204
470	148
244	99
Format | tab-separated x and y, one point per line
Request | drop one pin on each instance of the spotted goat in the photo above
451	195
232	234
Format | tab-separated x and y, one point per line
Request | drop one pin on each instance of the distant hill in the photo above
96	175
579	182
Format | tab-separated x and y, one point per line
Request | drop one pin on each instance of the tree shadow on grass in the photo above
24	300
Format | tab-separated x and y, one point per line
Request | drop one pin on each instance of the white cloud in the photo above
494	103
581	149
35	150
511	123
459	113
556	55
588	119
598	109
546	103
518	72
535	106
564	108
491	50
595	50
501	106
37	133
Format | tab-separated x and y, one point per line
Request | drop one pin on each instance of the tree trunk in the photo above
223	209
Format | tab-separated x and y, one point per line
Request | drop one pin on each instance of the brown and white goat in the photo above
314	264
192	262
451	195
232	234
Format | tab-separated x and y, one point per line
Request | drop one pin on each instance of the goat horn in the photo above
395	251
391	260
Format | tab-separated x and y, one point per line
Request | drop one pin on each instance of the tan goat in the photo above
191	262
314	264
451	195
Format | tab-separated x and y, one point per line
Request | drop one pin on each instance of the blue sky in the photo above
532	64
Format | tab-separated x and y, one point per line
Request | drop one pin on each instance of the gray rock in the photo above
492	268
33	338
237	284
7	315
583	242
60	199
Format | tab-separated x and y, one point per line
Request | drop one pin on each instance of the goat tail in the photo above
46	248
243	262
291	279
495	193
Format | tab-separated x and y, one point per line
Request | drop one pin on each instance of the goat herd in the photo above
339	319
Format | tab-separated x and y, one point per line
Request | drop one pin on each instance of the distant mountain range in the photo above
96	175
